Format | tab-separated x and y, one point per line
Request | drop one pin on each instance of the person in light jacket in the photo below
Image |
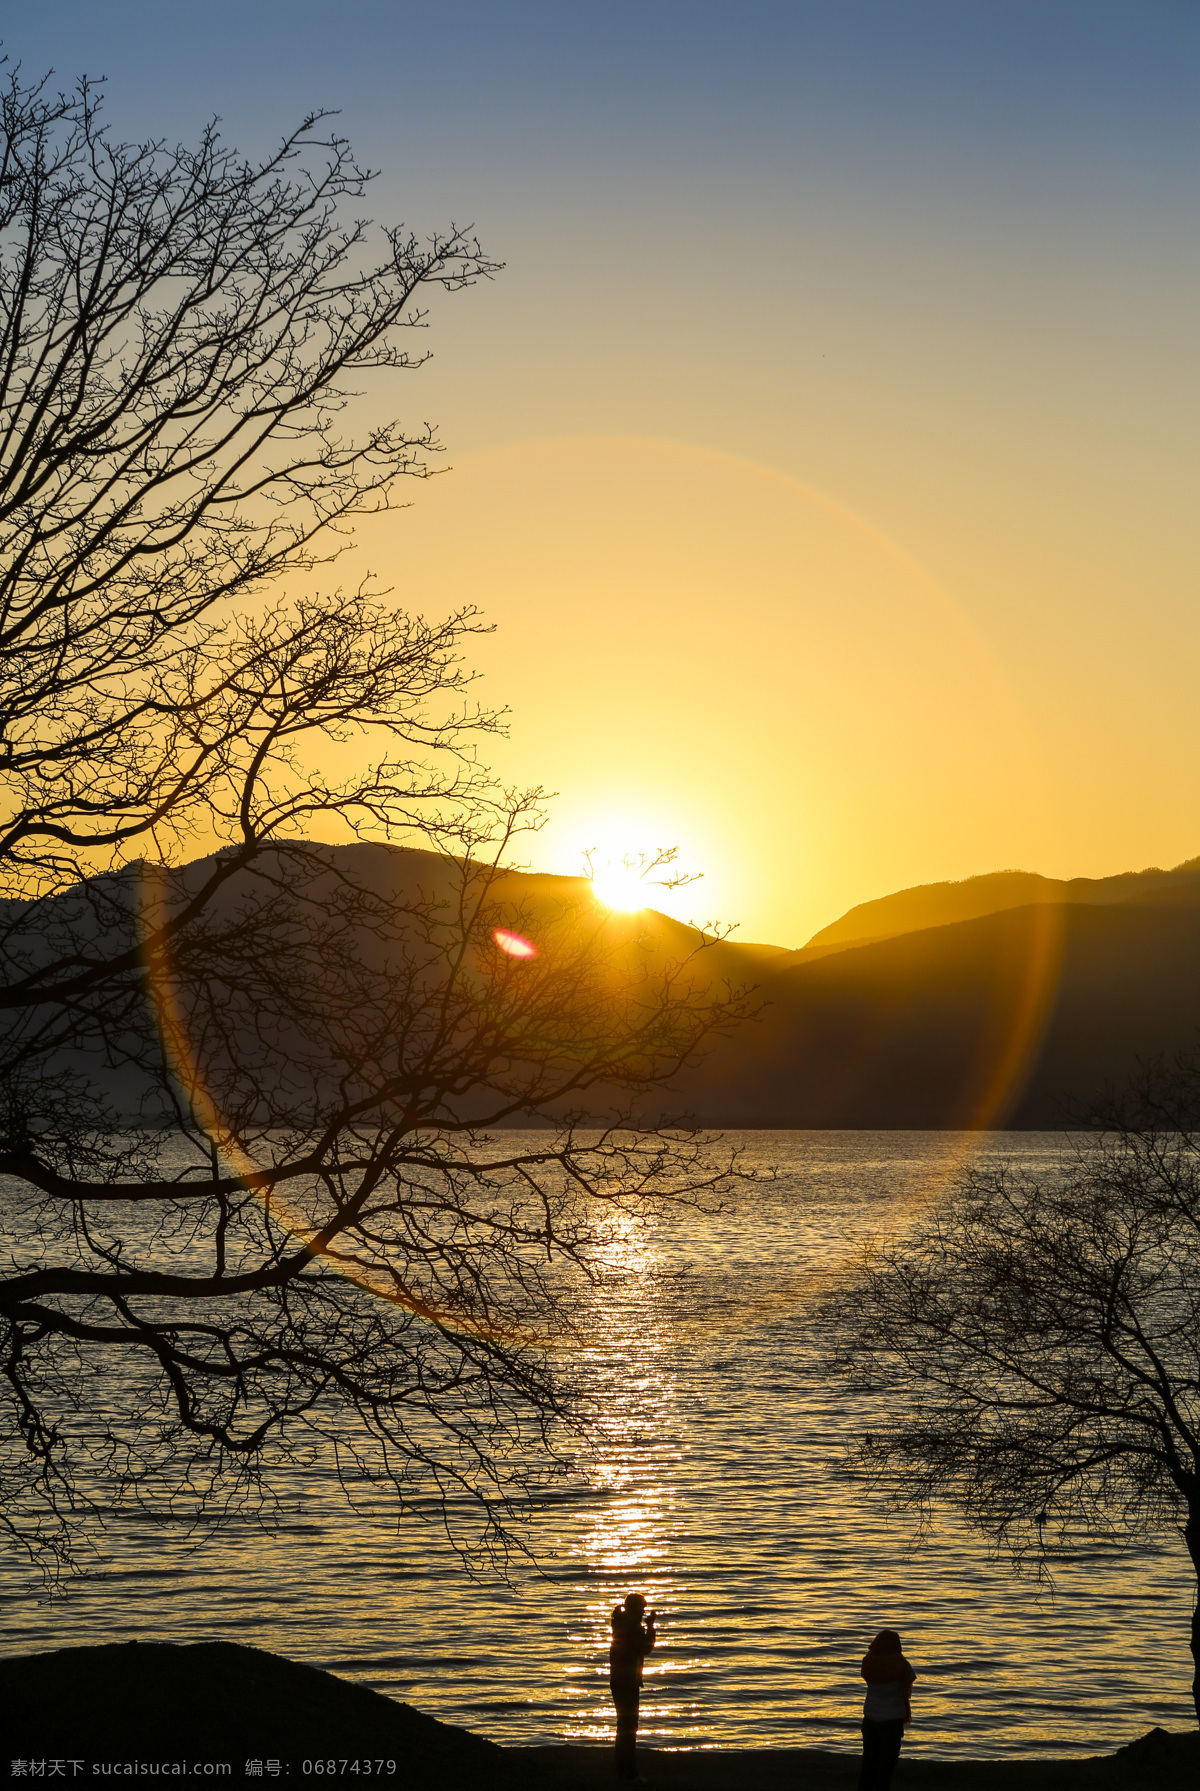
886	1709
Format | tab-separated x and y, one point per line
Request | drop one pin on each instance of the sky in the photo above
825	454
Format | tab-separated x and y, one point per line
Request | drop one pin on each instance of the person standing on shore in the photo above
632	1641
886	1709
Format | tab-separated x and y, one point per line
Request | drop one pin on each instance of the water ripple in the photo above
717	1491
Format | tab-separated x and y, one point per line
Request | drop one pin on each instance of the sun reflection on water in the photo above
638	1456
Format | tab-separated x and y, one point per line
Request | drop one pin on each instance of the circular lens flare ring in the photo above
286	1208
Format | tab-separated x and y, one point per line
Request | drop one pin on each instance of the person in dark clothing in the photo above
886	1709
632	1641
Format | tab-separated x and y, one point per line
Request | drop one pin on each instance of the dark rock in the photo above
161	1704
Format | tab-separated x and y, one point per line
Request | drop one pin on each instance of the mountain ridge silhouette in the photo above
950	1005
971	898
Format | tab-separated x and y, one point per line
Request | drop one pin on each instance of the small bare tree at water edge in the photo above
1037	1342
307	1241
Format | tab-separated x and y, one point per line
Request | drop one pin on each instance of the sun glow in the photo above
620	884
786	717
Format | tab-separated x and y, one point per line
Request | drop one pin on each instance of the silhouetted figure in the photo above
632	1641
886	1709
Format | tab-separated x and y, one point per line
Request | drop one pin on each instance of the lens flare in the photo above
515	944
284	1196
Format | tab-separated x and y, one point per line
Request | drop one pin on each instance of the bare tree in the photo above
1037	1343
252	1201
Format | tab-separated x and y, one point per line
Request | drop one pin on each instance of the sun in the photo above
619	883
626	882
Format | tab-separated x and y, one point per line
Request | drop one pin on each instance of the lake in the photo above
717	1490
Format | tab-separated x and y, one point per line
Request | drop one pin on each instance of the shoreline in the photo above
1156	1761
242	1715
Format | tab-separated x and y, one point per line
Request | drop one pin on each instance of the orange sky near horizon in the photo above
700	652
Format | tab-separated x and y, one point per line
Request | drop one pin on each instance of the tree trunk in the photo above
1191	1535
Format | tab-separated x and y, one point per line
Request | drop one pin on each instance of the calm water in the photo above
717	1491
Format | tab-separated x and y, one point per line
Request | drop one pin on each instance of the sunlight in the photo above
619	884
636	1458
784	720
647	874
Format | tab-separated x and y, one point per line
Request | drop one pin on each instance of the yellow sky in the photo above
701	652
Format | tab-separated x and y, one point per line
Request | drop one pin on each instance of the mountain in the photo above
1005	999
940	904
1020	1017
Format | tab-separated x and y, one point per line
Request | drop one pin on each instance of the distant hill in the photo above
941	904
1020	1017
1006	999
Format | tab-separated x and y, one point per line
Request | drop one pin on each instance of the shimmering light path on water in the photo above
719	1494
